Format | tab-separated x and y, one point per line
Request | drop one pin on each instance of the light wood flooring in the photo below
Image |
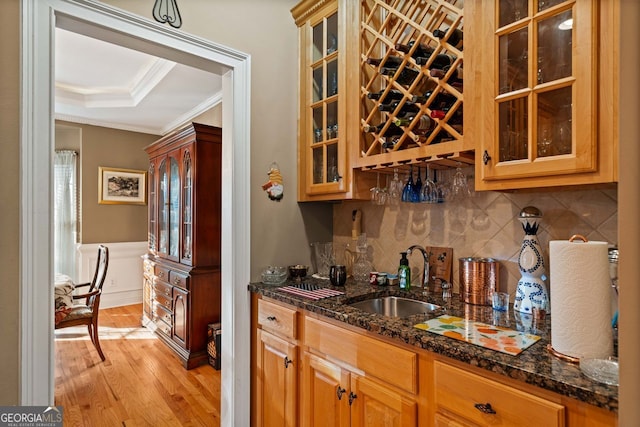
141	383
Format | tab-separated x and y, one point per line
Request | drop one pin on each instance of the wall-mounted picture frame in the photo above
121	186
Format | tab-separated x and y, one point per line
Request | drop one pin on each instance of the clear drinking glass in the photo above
429	194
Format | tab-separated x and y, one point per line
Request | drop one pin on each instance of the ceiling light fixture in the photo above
166	11
566	25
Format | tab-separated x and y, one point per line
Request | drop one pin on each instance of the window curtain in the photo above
65	212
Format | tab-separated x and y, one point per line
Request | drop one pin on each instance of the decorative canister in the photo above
478	279
532	290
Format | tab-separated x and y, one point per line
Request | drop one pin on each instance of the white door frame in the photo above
39	19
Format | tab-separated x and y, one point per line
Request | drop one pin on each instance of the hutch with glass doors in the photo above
181	280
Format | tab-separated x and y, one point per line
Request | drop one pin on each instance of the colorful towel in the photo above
495	338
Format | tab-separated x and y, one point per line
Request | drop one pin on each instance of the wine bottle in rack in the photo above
405	77
393	94
408	109
391	130
423	49
441	101
455	118
455	39
423	127
455	77
391	61
441	60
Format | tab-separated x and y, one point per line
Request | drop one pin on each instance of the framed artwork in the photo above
122	186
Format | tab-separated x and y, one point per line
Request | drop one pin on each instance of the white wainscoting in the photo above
123	285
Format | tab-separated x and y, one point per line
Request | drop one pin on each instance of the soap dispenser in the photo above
404	273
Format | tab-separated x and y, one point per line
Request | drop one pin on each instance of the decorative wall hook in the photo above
166	11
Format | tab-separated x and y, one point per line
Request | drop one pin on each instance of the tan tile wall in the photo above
484	225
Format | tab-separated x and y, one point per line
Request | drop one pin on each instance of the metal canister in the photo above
478	279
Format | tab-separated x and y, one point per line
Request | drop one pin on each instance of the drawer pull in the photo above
485	407
340	391
352	397
271	318
160	274
176	281
287	362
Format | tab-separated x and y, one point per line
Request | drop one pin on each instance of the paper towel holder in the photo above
562	356
578	236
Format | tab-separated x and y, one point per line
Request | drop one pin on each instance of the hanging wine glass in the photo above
429	194
417	189
395	188
441	188
407	192
459	188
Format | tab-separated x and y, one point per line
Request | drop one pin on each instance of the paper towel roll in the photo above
580	290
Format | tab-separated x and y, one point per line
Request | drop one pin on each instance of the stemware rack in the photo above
384	25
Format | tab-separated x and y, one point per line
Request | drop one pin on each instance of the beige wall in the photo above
117	149
10	196
280	231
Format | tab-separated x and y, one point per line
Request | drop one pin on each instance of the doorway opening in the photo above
39	20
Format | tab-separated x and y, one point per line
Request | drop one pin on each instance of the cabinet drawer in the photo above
164	302
178	279
160	313
384	361
458	391
162	272
162	288
276	318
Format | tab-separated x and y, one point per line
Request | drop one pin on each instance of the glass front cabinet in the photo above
329	93
544	92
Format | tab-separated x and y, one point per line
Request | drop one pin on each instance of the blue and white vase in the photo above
531	291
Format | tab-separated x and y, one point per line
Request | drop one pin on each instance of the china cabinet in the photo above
181	280
543	94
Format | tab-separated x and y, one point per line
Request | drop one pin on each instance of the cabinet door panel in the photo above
277	381
324	393
181	320
377	405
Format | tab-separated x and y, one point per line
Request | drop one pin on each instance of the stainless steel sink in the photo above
395	306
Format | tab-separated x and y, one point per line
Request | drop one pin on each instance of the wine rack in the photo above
401	30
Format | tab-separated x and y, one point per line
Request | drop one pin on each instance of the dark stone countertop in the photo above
535	365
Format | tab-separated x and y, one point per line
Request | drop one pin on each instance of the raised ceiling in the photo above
103	84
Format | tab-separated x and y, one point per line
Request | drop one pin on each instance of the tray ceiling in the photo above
103	84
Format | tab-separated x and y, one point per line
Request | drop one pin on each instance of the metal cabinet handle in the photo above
340	391
485	408
287	362
161	274
352	397
271	318
176	281
486	157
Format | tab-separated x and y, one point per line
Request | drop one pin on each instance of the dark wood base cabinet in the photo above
178	305
181	284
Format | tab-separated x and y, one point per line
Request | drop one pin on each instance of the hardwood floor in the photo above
141	383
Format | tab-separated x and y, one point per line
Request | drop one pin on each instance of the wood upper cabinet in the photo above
328	114
542	92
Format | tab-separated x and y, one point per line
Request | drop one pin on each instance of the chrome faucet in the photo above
425	256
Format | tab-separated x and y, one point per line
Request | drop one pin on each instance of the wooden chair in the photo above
87	313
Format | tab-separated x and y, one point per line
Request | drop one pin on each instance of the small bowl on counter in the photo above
272	275
297	272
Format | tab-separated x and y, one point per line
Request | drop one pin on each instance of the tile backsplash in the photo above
484	225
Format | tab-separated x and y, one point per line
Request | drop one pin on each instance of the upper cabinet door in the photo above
186	252
537	92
